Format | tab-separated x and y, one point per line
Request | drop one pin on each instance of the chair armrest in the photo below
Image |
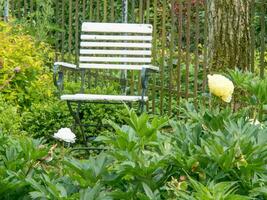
58	76
64	64
152	68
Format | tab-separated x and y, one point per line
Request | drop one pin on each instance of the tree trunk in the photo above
228	34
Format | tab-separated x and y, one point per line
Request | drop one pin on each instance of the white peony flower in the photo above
255	122
65	134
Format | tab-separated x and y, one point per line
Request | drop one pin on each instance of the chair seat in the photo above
98	97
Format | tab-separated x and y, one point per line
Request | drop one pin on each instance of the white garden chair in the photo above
116	46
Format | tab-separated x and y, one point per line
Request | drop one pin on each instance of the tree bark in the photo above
228	34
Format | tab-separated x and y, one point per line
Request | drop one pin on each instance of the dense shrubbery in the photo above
200	158
26	84
250	92
24	75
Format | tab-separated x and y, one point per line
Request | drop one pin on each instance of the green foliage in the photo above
88	172
231	151
251	91
27	103
24	76
41	22
223	190
9	120
145	159
45	118
18	159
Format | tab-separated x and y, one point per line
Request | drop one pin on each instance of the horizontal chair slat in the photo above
116	66
116	27
99	97
115	52
115	44
115	59
116	37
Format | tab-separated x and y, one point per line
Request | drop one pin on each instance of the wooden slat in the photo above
63	28
57	32
196	68
133	11
116	66
179	63
147	21
116	37
140	21
115	52
252	33
105	11
132	72
116	27
112	17
205	63
171	57
262	39
76	30
25	8
97	20
97	10
147	10
31	6
154	54
164	7
19	8
84	9
141	11
188	41
115	59
115	44
12	8
70	28
91	10
98	97
89	73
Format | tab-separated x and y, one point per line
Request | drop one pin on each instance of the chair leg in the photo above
142	106
77	119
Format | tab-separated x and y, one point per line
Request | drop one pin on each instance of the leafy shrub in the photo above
195	161
10	120
19	159
27	102
251	92
43	119
23	71
143	161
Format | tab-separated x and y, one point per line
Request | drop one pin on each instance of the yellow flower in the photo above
221	87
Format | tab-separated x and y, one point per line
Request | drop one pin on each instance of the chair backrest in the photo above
115	46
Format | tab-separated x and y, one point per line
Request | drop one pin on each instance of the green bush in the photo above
24	72
10	120
19	159
45	118
27	91
147	158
